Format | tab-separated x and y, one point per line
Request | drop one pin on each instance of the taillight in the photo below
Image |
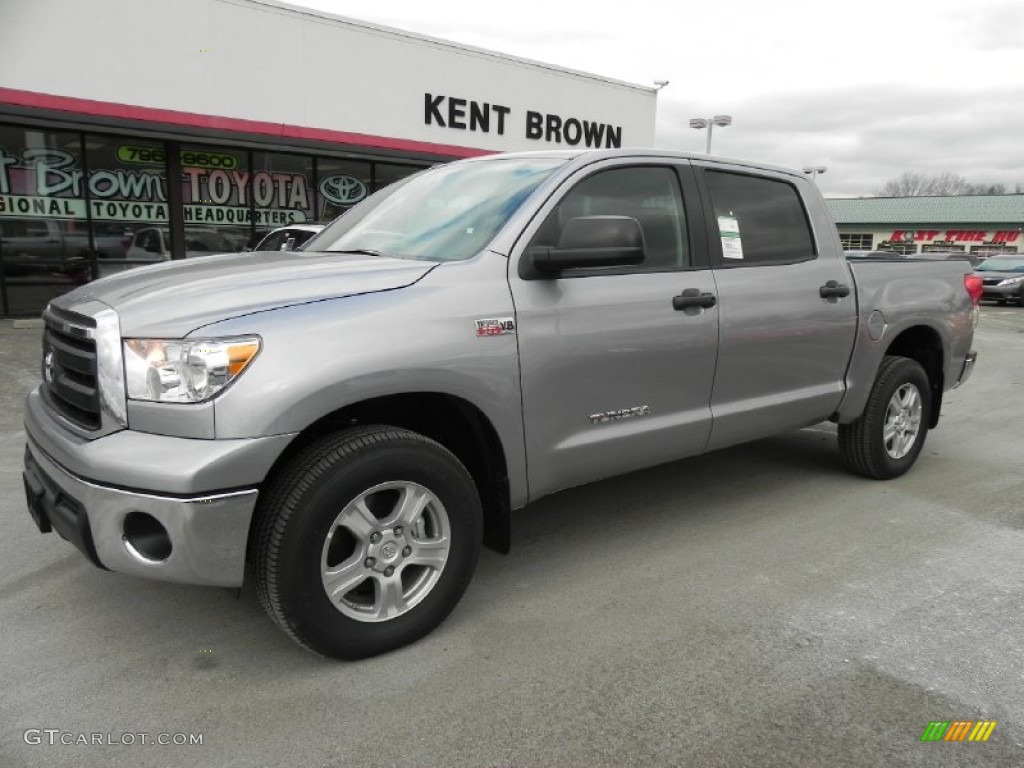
974	288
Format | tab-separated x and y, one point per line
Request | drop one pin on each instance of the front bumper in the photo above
186	502
1002	292
204	537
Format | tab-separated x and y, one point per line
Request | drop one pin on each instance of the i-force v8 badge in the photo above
495	326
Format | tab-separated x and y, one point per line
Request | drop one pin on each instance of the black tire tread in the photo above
279	505
857	446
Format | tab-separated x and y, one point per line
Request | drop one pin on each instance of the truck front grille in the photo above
70	382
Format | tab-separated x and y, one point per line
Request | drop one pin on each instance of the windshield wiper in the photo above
363	251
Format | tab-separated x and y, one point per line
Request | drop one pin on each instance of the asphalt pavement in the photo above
753	607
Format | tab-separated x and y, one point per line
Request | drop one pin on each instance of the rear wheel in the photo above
887	438
366	542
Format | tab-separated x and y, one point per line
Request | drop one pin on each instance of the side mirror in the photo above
592	241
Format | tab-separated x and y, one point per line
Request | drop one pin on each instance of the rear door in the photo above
614	375
784	346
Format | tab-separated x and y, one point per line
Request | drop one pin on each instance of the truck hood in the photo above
172	299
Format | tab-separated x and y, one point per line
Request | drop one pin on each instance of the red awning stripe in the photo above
91	108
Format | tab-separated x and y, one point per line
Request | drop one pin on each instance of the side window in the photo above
272	242
760	221
301	237
149	241
648	194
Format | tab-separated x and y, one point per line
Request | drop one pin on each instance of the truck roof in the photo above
591	155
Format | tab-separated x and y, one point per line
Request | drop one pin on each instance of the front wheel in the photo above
366	541
887	438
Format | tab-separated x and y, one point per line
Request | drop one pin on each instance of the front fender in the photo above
320	357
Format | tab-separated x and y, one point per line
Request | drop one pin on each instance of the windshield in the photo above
448	213
1001	265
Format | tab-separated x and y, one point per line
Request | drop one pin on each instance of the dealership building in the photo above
258	113
972	224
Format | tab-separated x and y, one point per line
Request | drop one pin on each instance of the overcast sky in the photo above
868	88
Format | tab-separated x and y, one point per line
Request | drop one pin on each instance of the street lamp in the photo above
814	170
701	123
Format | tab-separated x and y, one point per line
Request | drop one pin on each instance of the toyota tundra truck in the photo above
347	425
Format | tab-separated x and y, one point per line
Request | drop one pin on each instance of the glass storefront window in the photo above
216	189
340	184
44	241
282	191
388	173
76	206
127	199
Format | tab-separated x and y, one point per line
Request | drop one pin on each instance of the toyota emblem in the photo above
342	190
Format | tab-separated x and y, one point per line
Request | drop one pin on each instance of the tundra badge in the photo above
625	413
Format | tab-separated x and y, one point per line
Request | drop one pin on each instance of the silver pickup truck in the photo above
346	425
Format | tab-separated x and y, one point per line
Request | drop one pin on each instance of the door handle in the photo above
692	297
833	289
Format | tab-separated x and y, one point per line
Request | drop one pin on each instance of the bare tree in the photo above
917	184
989	189
947	183
907	184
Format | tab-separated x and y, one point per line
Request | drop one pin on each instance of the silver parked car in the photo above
1002	279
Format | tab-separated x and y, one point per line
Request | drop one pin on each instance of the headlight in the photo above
184	370
1012	281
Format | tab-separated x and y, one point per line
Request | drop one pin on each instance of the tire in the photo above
1020	298
386	519
885	441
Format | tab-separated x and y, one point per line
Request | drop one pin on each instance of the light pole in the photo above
814	170
701	123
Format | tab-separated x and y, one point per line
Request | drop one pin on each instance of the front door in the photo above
614	375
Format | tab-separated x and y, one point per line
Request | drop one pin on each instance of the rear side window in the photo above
760	221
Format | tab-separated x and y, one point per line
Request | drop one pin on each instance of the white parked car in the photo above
153	244
290	238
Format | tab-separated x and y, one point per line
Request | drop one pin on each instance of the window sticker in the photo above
732	243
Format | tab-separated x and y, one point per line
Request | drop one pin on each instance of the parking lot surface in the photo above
753	607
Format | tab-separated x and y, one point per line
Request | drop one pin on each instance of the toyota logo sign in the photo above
342	190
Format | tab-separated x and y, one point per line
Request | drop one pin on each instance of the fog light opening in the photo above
146	538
